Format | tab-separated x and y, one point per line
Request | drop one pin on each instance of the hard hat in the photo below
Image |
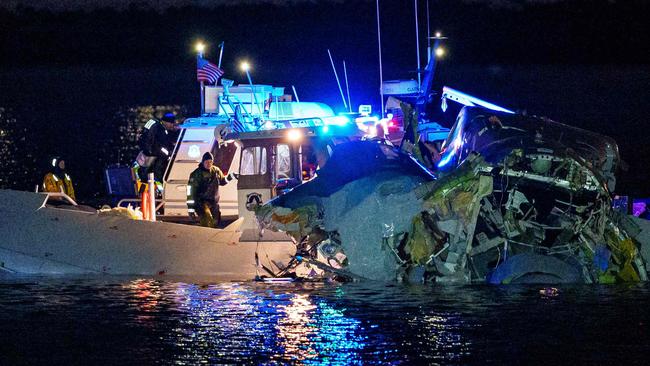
169	117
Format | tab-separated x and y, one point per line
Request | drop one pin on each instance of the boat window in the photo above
309	162
283	167
223	156
253	161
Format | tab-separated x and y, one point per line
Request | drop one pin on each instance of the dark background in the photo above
79	82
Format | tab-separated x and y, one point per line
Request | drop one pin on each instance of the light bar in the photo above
468	100
336	120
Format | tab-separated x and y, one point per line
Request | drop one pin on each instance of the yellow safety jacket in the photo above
52	183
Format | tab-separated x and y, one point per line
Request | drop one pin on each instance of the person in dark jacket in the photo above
203	191
156	143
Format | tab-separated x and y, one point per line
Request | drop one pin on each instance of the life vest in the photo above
53	183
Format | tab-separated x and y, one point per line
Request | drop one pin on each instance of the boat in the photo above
268	144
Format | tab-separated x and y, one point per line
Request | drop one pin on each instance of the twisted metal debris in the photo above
516	199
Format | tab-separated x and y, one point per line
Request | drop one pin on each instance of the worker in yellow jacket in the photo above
203	191
58	180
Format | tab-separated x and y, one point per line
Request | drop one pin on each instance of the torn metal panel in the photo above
516	203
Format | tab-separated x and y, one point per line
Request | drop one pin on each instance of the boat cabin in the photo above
271	151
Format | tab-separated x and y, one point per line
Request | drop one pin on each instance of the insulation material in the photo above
133	214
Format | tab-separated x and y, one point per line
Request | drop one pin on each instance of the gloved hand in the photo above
232	176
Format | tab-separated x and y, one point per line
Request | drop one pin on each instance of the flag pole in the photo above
198	57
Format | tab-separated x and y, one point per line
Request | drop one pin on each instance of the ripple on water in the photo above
187	322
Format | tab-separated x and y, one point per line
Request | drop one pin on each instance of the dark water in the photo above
117	320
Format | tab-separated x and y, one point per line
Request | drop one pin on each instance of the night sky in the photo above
66	65
116	32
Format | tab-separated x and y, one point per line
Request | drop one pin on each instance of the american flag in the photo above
207	71
237	126
236	122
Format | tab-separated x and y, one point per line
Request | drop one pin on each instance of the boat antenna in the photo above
295	93
428	35
337	79
417	42
220	53
347	86
381	72
429	72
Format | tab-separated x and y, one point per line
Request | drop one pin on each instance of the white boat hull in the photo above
43	240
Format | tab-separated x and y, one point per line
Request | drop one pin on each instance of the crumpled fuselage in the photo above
516	199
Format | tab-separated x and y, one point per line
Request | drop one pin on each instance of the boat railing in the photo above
57	195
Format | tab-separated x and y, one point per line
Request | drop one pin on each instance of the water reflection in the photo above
219	321
441	335
315	333
147	294
148	321
235	322
296	327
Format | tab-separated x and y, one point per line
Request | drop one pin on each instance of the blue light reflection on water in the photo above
233	319
293	323
187	322
239	322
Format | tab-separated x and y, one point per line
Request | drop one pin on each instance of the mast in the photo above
428	35
417	42
381	72
337	79
347	86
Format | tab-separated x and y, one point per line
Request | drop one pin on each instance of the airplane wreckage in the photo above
512	199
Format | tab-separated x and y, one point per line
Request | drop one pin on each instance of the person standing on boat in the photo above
156	143
203	191
58	180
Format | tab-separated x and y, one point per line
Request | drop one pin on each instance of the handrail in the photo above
172	157
57	194
61	194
